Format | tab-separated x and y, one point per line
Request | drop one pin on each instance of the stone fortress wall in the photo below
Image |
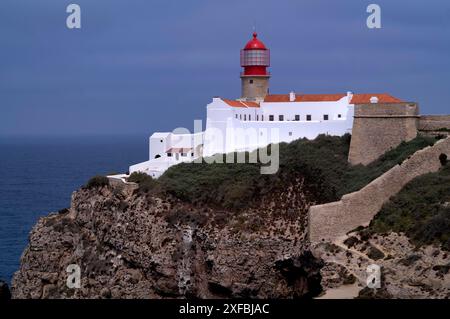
377	128
333	220
434	124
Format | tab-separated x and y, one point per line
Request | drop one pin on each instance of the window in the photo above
192	154
280	117
161	141
169	154
240	116
308	117
270	117
245	117
290	133
339	116
250	81
254	57
249	117
183	154
236	115
297	117
157	156
262	117
257	117
325	117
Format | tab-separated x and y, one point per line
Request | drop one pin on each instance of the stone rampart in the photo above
379	127
332	220
434	124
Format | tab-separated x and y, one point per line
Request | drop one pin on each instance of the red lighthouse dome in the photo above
255	43
255	58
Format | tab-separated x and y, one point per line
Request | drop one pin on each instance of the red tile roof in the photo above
250	104
304	97
236	103
382	98
356	99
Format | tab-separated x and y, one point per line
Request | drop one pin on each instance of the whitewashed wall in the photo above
226	132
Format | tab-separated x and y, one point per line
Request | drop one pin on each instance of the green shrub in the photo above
146	182
138	177
321	162
97	181
420	210
358	176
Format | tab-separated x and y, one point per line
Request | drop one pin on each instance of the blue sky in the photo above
139	66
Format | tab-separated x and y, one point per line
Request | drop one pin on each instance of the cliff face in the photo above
333	220
134	242
131	245
406	271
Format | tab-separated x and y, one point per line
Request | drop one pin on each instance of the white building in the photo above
257	118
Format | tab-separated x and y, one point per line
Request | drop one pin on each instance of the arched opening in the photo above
157	156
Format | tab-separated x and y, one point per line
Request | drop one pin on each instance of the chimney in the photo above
373	100
292	96
349	96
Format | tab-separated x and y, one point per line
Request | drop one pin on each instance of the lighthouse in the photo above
256	119
255	59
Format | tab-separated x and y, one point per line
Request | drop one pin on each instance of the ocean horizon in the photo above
40	173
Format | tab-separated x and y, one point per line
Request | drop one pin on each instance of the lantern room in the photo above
255	58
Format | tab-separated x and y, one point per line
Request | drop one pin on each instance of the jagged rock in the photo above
134	245
369	293
300	268
406	272
410	260
351	241
374	253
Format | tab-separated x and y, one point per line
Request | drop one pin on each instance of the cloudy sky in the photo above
138	66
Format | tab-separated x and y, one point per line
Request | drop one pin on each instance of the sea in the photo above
39	174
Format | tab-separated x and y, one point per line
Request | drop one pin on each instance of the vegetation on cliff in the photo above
97	181
236	185
358	176
321	162
146	182
421	210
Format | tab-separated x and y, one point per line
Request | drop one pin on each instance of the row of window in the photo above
182	154
280	117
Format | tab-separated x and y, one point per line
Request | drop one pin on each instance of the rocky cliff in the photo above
133	245
183	236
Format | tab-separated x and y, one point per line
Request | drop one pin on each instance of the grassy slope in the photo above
358	176
322	162
421	210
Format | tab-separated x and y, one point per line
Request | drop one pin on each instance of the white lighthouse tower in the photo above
255	59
